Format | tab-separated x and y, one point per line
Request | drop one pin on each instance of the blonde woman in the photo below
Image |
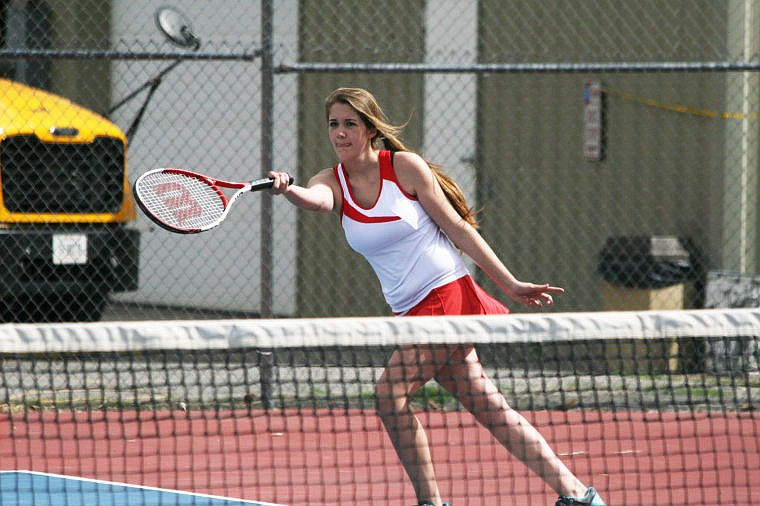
411	222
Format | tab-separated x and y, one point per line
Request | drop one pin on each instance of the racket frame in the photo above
215	184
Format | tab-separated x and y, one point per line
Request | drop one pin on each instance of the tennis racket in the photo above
186	202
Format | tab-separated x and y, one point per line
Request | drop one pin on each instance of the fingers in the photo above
540	295
546	287
281	182
539	300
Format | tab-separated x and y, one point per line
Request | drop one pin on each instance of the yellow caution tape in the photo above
678	108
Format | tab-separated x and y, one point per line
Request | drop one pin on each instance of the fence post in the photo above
267	116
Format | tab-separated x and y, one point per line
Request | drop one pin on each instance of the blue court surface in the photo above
28	488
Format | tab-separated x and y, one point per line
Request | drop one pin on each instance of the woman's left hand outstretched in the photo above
533	295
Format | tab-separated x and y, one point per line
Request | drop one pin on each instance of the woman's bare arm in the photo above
318	195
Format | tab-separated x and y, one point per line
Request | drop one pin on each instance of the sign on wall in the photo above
593	132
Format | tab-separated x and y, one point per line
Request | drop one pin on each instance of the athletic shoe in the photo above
591	498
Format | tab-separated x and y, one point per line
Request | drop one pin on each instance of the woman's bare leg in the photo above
408	369
465	378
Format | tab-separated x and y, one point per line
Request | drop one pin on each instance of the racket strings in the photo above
181	201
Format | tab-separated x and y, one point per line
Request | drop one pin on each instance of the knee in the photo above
387	401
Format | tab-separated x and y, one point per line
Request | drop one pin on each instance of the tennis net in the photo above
651	407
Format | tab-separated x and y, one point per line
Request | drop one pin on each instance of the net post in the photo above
267	118
266	378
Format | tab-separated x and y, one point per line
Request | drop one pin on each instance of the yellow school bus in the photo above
65	208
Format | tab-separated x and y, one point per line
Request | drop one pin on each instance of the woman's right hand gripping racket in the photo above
186	202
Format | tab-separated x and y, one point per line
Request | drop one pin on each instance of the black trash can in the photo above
645	261
646	273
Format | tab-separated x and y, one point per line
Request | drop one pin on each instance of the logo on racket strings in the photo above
178	201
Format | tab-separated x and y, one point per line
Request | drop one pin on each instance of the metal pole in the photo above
520	68
267	118
88	54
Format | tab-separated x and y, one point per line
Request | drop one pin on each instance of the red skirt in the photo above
461	297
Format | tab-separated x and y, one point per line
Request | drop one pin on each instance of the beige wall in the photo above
87	82
546	210
560	207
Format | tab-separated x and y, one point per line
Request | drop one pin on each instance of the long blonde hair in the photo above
388	137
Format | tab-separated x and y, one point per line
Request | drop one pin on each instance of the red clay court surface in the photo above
321	457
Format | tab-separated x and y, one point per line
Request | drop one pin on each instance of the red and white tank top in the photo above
409	253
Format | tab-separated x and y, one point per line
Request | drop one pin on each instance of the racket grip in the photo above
267	182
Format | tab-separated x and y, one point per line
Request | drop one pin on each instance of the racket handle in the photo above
267	182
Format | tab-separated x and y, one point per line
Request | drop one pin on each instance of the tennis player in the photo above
409	221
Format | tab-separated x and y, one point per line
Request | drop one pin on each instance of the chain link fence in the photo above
612	146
